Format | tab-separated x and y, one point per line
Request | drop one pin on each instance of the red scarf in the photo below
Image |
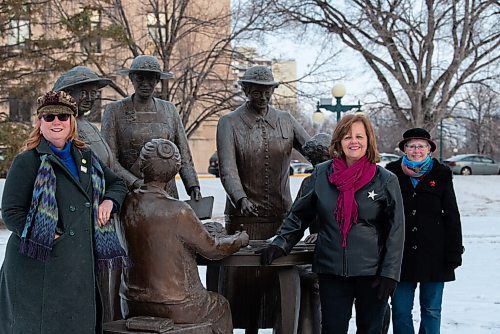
348	180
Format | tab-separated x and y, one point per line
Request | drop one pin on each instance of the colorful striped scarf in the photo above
38	235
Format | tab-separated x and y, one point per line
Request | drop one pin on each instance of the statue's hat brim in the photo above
79	75
163	75
258	82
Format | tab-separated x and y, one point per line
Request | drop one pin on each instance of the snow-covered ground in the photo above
471	303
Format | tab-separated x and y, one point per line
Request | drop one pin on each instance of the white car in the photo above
301	168
385	158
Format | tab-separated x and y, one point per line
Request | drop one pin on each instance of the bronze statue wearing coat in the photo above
131	122
254	145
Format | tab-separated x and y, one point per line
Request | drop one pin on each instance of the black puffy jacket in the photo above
374	244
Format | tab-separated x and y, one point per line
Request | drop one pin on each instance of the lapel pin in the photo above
372	194
84	161
83	169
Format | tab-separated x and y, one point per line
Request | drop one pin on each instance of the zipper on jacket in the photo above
344	262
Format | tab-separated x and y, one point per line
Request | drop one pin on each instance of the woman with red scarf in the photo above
360	242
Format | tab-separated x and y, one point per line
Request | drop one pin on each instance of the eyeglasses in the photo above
414	147
52	117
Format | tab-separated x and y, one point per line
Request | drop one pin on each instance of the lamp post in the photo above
338	92
441	140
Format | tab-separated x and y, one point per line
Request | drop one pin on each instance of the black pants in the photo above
338	294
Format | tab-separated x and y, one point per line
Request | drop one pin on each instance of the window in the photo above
156	26
20	105
91	42
19	29
487	160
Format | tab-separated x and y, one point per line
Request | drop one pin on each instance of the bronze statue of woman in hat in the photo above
254	146
133	121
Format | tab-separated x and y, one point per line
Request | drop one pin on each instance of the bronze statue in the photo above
83	85
162	237
254	145
133	121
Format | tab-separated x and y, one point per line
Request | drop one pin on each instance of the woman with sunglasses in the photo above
433	242
57	201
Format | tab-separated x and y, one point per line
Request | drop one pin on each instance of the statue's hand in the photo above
311	238
195	193
247	208
137	184
243	236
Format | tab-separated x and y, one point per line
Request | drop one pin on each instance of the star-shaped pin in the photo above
371	194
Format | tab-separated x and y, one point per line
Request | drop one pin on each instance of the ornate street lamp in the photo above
338	92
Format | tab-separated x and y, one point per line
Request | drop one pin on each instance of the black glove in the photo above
269	254
452	265
386	287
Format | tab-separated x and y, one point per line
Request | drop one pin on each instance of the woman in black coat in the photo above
361	229
57	201
433	241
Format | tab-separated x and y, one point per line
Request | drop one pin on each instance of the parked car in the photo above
467	164
301	167
213	165
385	158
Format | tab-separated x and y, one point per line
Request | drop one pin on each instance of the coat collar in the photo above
251	120
437	175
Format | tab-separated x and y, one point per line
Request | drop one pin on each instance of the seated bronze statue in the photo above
162	236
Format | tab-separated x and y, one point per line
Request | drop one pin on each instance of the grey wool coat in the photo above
59	295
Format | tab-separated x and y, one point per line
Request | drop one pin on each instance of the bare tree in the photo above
421	52
479	107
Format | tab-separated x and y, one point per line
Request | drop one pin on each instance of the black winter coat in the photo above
433	242
374	244
57	296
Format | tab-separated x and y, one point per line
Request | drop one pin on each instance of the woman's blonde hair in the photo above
36	136
344	126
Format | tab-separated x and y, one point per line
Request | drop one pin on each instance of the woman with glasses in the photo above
433	238
57	201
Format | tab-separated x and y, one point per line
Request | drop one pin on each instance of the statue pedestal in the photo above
118	327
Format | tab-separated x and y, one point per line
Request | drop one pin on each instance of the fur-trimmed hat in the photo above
416	133
56	103
145	63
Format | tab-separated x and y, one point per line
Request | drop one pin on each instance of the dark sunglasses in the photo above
52	117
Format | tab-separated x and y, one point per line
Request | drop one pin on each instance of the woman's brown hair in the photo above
35	136
344	126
